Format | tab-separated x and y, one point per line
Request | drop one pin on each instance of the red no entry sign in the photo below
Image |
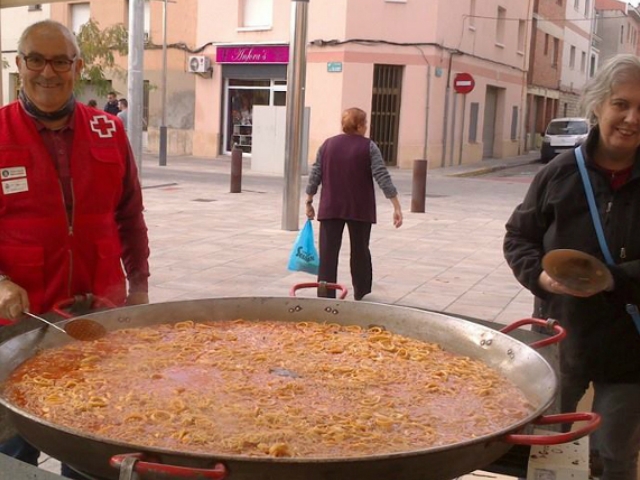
463	83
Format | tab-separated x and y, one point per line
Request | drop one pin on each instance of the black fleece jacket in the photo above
603	343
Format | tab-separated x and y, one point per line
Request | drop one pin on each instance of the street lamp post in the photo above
296	78
162	161
136	78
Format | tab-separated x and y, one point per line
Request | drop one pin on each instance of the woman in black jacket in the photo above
603	342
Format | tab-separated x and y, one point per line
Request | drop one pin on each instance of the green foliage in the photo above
98	49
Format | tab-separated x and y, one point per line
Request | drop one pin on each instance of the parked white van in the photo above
563	134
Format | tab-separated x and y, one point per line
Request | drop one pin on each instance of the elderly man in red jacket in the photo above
71	212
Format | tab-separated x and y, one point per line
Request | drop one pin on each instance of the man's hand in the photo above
13	300
137	298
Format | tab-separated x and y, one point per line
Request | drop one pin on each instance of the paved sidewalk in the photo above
207	242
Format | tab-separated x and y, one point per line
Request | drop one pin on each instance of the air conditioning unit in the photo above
199	64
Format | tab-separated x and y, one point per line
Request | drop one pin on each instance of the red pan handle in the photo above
328	286
592	418
144	467
96	302
560	332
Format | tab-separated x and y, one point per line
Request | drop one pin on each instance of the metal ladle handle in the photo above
29	314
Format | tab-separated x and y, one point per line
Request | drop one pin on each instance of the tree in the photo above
98	49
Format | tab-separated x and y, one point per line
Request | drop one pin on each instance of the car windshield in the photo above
568	127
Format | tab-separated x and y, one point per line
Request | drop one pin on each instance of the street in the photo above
208	242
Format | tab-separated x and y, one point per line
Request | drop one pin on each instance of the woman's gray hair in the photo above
49	24
619	69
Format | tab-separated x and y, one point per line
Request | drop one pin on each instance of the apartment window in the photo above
514	123
546	44
502	14
473	122
587	7
147	21
621	33
80	14
522	30
472	14
34	8
257	13
559	2
556	52
576	4
572	57
592	66
583	62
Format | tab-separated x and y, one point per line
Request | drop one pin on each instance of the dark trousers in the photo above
617	441
18	448
360	262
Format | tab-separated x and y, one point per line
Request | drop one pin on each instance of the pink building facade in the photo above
397	60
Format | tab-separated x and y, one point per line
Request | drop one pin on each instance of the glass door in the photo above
240	97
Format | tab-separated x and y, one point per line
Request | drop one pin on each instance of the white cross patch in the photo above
103	126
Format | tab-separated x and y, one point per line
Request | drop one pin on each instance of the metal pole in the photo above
136	80
162	161
426	120
453	128
464	106
419	185
296	78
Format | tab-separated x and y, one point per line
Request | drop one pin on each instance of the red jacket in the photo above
40	250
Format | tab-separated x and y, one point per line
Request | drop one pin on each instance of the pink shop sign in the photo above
253	54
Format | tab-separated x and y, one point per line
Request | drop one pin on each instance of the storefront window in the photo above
241	96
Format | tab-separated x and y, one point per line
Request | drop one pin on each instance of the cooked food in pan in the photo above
267	388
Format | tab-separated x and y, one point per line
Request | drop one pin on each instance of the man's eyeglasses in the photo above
38	62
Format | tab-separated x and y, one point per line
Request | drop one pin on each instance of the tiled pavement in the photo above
207	242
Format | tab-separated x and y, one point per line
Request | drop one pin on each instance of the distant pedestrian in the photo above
92	103
112	103
123	114
346	166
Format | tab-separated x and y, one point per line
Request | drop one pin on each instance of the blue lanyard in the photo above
595	217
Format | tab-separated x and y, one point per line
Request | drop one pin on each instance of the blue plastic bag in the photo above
304	256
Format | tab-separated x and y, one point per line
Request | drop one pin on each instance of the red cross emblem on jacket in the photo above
103	126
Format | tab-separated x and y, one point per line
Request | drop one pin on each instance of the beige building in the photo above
618	23
407	63
397	60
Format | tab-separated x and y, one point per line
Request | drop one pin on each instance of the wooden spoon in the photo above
82	329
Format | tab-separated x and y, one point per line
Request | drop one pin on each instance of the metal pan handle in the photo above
88	299
140	464
560	332
328	286
592	418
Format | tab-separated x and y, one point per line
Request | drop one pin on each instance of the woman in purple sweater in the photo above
346	166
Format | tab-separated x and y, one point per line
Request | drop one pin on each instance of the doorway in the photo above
241	95
385	110
489	122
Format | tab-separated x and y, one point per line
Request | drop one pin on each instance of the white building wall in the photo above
577	34
14	21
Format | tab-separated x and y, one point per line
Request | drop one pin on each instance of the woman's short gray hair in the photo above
50	24
619	69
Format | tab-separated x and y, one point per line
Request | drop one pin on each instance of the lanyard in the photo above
595	217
